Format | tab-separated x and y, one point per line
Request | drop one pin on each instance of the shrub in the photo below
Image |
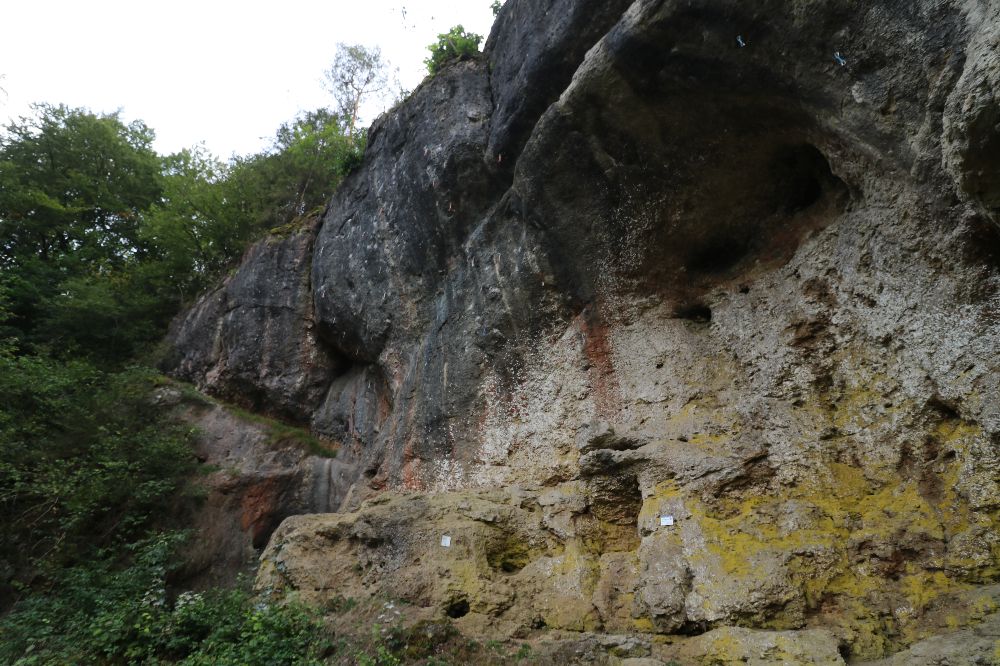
87	463
456	44
99	614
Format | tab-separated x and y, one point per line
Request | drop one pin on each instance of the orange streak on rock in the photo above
597	349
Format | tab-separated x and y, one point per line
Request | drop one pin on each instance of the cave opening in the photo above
802	175
456	608
718	254
754	208
697	312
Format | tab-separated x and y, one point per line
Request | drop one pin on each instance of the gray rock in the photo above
781	267
253	340
530	67
972	646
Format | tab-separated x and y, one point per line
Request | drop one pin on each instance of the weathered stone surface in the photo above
258	473
530	67
972	123
762	648
253	339
733	263
975	647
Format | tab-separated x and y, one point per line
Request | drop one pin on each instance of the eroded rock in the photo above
733	264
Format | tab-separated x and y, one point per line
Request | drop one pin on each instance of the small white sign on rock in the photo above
446	541
666	521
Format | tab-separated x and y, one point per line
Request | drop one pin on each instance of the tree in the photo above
298	174
73	190
357	73
74	185
317	153
193	230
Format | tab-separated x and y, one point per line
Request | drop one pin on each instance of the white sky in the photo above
223	72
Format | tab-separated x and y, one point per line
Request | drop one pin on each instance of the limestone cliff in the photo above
735	264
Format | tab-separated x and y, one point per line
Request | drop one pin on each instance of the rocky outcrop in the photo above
253	339
254	473
735	265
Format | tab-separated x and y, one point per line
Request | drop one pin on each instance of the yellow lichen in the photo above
983	606
921	588
643	625
840	509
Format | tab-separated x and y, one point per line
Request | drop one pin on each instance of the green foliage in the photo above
106	615
341	604
451	46
73	186
101	241
194	230
73	190
86	463
495	7
90	475
310	158
298	175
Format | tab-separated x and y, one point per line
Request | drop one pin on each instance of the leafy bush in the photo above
101	241
456	44
86	463
103	615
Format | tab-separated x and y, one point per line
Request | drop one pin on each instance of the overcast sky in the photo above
222	72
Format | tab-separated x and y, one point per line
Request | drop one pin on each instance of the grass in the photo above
278	432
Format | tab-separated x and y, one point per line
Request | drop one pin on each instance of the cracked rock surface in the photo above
625	266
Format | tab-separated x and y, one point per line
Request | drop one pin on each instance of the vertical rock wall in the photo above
736	264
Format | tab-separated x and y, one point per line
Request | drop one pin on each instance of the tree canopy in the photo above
74	187
102	239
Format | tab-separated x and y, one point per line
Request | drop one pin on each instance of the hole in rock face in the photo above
457	608
799	173
613	517
508	554
616	500
718	254
694	628
983	242
944	410
696	312
757	206
980	159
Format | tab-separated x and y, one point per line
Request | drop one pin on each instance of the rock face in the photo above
732	264
252	339
256	472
